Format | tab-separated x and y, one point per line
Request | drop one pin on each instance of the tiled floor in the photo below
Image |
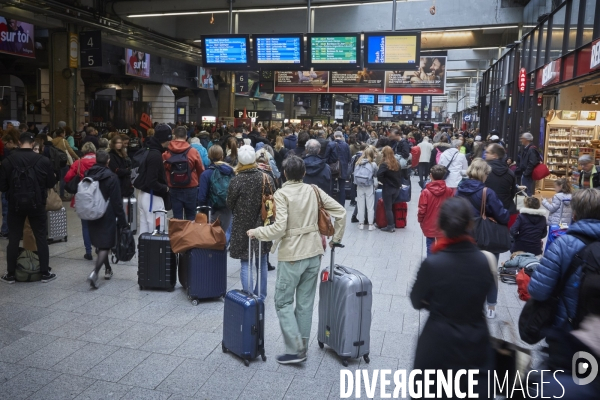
62	340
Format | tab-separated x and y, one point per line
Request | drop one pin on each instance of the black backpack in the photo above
124	249
180	171
58	158
25	191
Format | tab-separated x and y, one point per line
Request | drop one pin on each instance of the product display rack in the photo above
568	137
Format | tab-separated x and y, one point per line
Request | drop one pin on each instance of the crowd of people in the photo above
306	169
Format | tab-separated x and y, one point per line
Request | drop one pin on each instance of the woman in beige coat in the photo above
296	233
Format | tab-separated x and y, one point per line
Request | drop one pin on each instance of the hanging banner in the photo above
17	38
430	78
364	81
138	63
301	81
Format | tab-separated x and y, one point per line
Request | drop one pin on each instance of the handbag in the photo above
198	234
53	201
69	158
336	167
124	249
71	186
510	359
324	219
447	174
537	316
489	235
267	209
405	193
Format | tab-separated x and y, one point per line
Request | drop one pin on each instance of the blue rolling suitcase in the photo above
203	273
243	319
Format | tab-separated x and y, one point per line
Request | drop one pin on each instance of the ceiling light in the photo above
485	48
174	14
351	4
500	27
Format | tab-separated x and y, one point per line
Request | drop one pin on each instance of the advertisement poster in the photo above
430	78
121	115
363	81
138	63
206	78
17	38
301	81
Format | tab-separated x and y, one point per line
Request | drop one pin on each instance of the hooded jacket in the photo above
204	188
194	161
204	138
502	181
472	190
456	163
87	162
437	148
152	176
529	230
290	142
318	173
559	209
555	263
203	153
430	201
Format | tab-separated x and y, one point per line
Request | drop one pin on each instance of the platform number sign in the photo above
90	49
241	82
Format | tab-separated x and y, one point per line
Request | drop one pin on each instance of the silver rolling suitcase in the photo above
345	299
131	213
57	225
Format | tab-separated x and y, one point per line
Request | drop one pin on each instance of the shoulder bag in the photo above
267	210
447	174
489	234
336	169
67	147
324	219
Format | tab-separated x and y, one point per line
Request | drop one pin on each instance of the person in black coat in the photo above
103	230
120	164
317	171
501	180
530	228
528	159
452	284
342	150
389	175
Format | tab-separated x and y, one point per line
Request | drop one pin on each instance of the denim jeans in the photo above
87	242
492	296
296	285
184	199
263	277
428	243
4	229
530	183
389	194
225	218
423	173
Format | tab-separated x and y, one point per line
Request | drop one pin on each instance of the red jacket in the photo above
87	162
196	166
430	202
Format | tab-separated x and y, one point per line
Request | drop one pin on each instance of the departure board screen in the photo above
225	50
392	50
366	99
385	99
278	50
333	49
387	108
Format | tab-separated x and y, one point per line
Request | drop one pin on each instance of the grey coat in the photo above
560	209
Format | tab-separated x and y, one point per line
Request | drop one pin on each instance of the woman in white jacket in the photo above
455	162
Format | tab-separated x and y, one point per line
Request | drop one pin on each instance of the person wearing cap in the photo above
588	176
244	199
24	157
527	161
151	181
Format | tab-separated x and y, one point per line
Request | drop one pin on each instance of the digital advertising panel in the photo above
429	79
392	50
363	81
17	38
301	81
138	63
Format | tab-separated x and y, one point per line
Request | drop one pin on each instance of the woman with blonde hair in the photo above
365	179
390	176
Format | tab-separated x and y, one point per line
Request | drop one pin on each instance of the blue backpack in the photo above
219	186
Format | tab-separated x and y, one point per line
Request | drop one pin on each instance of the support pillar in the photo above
65	84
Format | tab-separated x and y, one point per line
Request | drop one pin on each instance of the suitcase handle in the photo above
161	222
250	266
209	208
333	259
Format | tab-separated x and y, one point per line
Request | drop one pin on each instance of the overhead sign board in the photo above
90	49
17	38
595	60
522	80
301	81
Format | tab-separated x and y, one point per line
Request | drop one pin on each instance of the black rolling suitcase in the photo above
157	266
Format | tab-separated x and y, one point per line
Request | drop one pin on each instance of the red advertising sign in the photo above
16	38
595	60
522	80
549	75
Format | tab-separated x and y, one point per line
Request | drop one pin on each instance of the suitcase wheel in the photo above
246	363
345	362
141	287
321	345
194	302
366	358
223	348
66	238
171	289
263	356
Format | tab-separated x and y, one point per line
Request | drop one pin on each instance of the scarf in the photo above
241	168
444	242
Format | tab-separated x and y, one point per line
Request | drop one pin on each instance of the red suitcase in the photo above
400	211
380	218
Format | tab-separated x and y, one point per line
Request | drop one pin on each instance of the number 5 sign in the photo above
90	49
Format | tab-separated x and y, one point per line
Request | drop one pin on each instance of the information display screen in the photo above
387	108
334	51
277	50
225	50
366	99
392	50
385	99
404	100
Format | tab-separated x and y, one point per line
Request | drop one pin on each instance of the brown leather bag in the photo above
53	201
324	222
199	234
267	210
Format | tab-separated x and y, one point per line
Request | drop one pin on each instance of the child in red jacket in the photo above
432	197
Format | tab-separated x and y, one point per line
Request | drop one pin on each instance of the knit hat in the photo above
494	137
246	155
163	133
263	155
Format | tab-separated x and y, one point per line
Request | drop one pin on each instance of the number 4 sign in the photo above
90	49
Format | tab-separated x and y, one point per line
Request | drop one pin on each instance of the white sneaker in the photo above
361	226
491	313
371	227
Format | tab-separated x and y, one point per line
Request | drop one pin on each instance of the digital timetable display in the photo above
392	50
366	99
278	49
219	51
336	51
385	99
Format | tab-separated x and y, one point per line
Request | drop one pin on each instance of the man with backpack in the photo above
528	159
183	167
150	178
26	177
